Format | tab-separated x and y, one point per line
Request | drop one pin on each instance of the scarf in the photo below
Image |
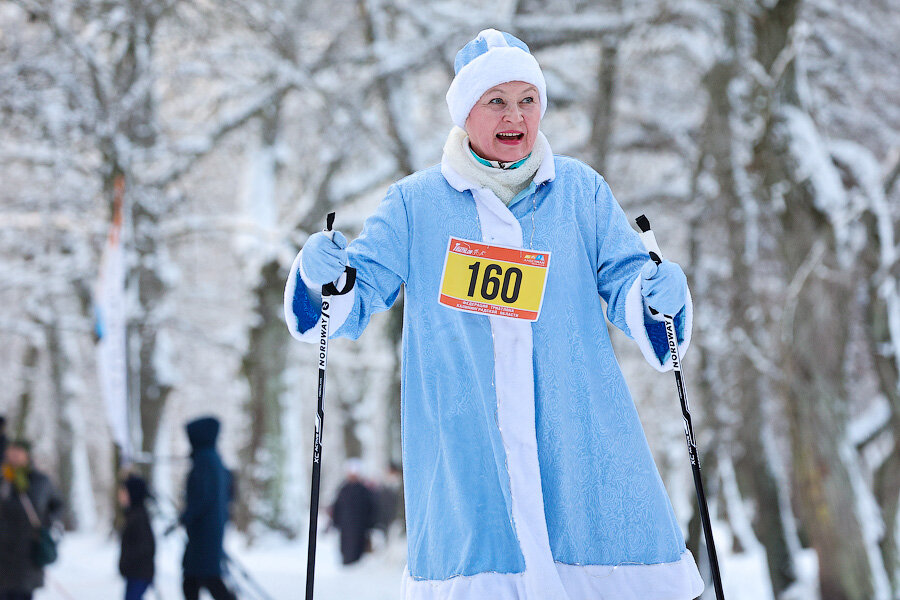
18	477
505	183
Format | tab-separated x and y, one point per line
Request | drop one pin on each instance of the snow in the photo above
814	164
747	578
87	568
870	421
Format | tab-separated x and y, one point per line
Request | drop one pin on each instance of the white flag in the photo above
112	366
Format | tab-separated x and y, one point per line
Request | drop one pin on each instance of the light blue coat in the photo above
527	473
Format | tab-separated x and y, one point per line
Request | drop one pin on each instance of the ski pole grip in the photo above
649	239
329	289
650	244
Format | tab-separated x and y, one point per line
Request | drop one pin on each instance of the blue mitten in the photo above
664	287
323	259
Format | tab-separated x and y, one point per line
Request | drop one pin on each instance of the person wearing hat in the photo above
527	474
207	494
28	501
138	548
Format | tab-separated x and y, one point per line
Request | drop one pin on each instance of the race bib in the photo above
494	280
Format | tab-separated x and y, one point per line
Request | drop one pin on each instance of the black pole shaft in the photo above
672	338
317	454
695	462
317	440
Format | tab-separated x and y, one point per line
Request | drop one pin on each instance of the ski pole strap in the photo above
329	289
29	510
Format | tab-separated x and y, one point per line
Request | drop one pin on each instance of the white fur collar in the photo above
456	174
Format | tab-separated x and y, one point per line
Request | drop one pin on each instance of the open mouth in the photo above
510	136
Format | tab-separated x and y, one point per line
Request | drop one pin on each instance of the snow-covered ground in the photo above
87	570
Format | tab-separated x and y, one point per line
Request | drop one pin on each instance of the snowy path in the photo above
88	570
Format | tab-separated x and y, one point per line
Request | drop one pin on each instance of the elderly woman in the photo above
527	473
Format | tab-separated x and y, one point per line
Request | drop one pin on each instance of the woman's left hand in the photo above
664	287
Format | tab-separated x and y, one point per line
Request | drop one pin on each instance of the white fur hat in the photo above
492	58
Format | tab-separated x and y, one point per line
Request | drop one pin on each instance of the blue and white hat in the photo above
492	58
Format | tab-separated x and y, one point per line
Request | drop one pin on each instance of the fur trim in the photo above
663	581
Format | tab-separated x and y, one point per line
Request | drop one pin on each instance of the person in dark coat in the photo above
353	514
23	488
207	495
387	500
3	438
138	544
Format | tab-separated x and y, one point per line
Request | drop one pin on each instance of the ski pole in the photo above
257	589
656	255
328	290
60	588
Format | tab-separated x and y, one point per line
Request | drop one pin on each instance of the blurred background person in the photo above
136	560
387	501
3	440
207	496
353	513
28	501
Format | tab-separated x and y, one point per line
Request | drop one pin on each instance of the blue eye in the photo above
528	100
495	101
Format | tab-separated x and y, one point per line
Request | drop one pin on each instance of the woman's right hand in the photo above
323	258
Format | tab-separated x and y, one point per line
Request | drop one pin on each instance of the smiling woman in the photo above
527	474
503	124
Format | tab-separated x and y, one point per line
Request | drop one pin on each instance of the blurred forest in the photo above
762	138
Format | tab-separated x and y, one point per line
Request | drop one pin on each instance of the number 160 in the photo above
491	284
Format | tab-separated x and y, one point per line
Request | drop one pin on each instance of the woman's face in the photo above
17	456
503	124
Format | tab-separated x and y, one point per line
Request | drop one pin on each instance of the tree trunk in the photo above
263	456
812	356
147	353
755	474
878	336
813	329
63	439
602	115
26	398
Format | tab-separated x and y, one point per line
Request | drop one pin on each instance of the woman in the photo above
138	548
26	497
527	473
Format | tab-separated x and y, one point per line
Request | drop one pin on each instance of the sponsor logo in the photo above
323	335
673	346
461	248
534	259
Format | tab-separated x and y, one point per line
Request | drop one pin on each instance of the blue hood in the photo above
203	432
